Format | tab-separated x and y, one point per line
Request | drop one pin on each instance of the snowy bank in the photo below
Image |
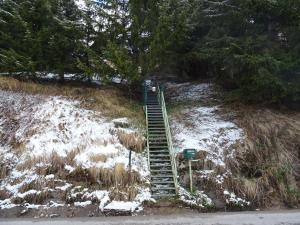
51	133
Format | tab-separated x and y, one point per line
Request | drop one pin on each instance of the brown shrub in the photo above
98	158
4	194
132	141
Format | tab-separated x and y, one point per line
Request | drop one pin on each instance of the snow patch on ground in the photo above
189	91
203	126
197	199
47	126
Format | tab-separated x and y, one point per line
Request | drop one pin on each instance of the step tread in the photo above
163	195
161	176
162	188
162	182
158	161
161	171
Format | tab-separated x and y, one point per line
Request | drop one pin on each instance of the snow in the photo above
53	204
122	206
69	168
201	126
47	125
198	199
208	132
189	91
80	3
6	204
82	204
65	187
30	192
231	198
144	195
49	177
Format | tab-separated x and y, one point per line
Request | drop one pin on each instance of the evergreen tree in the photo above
64	45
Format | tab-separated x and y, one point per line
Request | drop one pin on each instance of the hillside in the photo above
100	101
247	157
68	156
56	154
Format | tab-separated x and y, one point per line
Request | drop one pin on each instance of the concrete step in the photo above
159	196
157	154
162	171
157	132
156	138
162	176
163	189
158	143
161	147
159	160
164	167
160	156
162	182
157	150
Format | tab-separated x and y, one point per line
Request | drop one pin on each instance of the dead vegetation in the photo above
132	141
32	198
265	167
3	169
268	161
116	177
111	101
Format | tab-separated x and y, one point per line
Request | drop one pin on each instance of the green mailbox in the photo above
189	154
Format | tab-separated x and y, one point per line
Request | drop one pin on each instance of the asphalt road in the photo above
245	218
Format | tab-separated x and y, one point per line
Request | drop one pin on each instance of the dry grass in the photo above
116	177
34	185
111	101
266	166
133	141
3	169
124	194
98	158
38	198
267	163
4	194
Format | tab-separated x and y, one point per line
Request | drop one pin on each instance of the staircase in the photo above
160	156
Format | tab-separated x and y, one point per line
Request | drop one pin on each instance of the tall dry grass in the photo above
267	163
132	141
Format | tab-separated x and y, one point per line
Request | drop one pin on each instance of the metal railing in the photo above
162	102
147	127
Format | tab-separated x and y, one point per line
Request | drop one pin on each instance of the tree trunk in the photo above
61	76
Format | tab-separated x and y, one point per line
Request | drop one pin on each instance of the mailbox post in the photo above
190	154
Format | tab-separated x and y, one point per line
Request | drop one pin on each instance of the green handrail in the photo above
162	102
148	153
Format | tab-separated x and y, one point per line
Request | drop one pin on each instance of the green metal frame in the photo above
162	102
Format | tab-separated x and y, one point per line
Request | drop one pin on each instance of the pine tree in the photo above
65	37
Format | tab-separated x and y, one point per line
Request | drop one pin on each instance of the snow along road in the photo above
242	218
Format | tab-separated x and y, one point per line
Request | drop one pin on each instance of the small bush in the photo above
132	141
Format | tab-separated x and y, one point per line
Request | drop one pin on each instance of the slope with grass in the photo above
65	149
247	157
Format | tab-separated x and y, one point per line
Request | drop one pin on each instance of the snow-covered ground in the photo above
38	133
199	123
